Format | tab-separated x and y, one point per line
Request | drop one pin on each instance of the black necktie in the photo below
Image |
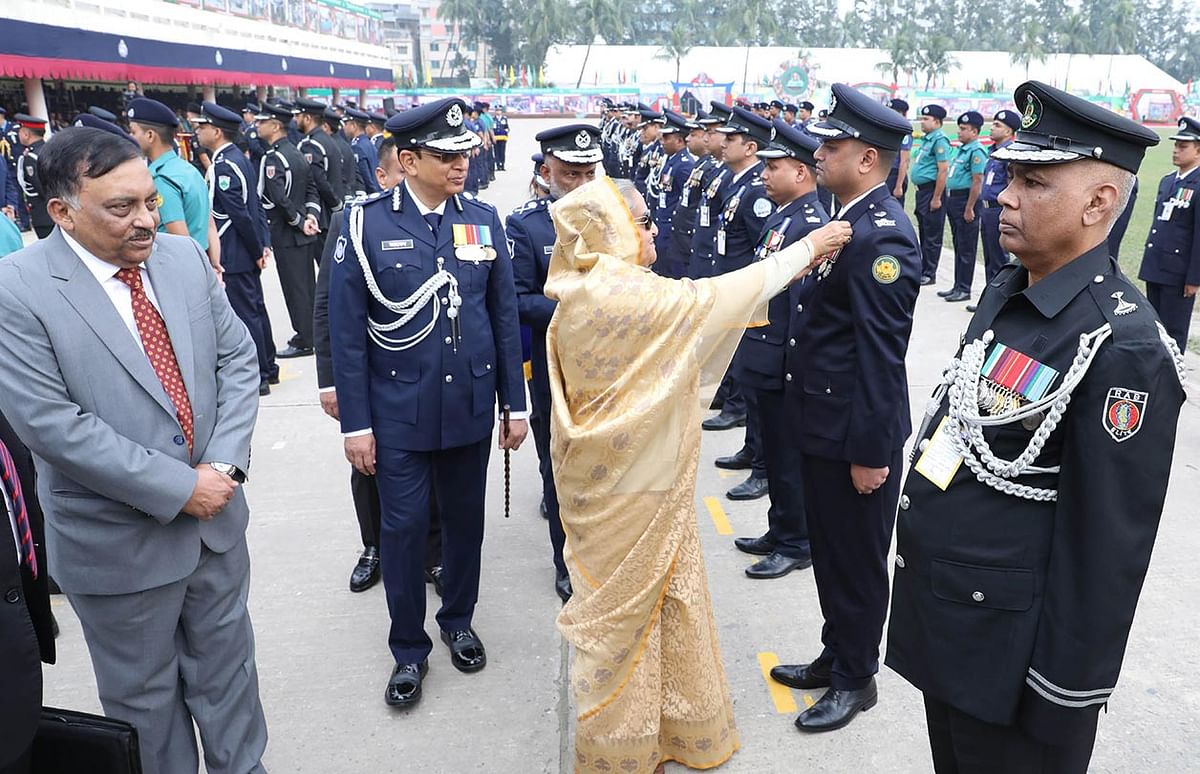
435	221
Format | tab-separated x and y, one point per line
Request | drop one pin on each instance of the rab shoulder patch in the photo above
1123	412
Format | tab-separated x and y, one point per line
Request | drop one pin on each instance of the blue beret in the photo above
438	126
854	114
1010	118
573	143
971	118
936	111
807	105
899	105
150	111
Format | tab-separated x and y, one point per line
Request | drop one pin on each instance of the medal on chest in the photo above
473	243
826	266
773	240
1181	200
713	187
1011	379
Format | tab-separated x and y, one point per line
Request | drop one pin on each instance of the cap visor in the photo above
1184	137
773	152
1025	153
731	130
456	144
828	131
588	156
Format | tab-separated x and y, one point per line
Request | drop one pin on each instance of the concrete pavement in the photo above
322	651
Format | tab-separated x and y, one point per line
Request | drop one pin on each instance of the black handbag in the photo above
69	742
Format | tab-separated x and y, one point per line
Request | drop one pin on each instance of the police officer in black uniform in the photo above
253	142
32	133
847	392
1027	521
325	162
351	176
289	195
1171	261
569	157
791	183
683	216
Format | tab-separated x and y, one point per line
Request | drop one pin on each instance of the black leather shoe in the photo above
292	351
804	676
562	585
750	489
971	308
264	389
366	572
944	293
724	421
434	575
759	546
740	461
542	508
776	566
404	686
927	280
961	295
273	379
466	651
837	708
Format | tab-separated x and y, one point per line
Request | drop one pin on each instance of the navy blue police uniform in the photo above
847	394
10	150
760	368
424	336
683	217
500	137
531	241
648	157
674	174
710	194
995	180
366	155
1171	260
253	142
243	232
1026	525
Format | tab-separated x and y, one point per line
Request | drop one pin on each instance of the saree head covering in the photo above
626	352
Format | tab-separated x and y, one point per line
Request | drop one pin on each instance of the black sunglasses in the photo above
444	157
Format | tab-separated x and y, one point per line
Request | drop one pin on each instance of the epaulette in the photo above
372	198
1123	307
468	200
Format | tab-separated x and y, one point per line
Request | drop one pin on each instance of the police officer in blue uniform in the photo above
500	136
253	142
847	394
995	179
791	184
424	336
683	217
375	130
569	158
898	178
365	156
673	175
648	154
352	182
1171	260
1027	521
9	151
709	196
242	230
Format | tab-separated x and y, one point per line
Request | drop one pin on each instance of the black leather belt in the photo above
959	192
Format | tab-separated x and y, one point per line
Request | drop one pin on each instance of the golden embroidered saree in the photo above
627	353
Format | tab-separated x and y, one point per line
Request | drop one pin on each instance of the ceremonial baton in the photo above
507	465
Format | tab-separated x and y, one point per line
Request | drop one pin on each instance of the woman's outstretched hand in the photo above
834	235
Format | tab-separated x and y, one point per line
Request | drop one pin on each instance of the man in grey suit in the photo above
130	378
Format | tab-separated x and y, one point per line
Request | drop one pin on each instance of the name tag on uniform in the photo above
548	249
991	176
940	460
703	216
396	244
662	200
721	242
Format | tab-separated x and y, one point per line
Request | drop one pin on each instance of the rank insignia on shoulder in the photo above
882	222
812	219
1123	411
762	208
339	250
885	269
1123	307
223	182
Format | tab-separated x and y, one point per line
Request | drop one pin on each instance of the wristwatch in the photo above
230	470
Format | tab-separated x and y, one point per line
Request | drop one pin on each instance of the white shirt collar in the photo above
1181	174
421	208
846	208
103	271
741	174
218	151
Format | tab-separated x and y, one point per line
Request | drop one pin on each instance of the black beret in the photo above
1011	118
936	111
971	118
897	104
854	114
151	111
807	105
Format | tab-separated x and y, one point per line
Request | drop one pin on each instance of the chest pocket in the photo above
827	400
400	273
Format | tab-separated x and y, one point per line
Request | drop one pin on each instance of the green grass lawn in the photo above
1156	164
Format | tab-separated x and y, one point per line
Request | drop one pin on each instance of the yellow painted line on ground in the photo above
287	373
730	474
784	701
718	516
808	700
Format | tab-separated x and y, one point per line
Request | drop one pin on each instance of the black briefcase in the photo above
70	742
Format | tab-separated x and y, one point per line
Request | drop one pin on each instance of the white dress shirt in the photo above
118	292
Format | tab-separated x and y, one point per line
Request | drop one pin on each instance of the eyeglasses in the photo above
444	157
644	221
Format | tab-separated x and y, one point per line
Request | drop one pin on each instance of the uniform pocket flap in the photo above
999	588
832	383
404	371
481	365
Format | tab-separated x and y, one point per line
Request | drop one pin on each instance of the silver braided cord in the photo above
409	307
1173	349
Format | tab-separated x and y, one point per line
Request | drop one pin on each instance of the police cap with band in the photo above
1189	130
353	114
788	141
573	143
150	111
716	116
1010	118
697	122
742	121
222	118
102	114
379	119
853	114
1058	127
438	126
649	116
675	123
332	117
312	106
277	112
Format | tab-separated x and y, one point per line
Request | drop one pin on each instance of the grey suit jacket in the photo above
113	469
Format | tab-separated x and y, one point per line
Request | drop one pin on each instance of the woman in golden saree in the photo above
628	351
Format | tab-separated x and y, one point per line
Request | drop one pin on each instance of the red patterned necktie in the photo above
12	485
157	343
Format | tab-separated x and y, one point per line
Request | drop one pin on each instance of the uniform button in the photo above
179	440
1177	250
488	366
828	390
787	377
1149	244
900	561
445	300
799	307
449	378
764	336
1153	231
1098	278
393	373
977	596
449	340
904	502
12	596
791	342
399	266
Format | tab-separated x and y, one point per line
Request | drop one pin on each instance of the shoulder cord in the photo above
1173	349
409	307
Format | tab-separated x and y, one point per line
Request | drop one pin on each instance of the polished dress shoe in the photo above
776	565
759	546
293	351
404	686
971	308
806	677
542	508
562	586
273	379
740	461
264	389
944	293
927	280
466	651
837	708
724	421
752	488
434	575
957	296
366	573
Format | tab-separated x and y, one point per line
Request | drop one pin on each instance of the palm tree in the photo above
1030	46
902	53
1116	31
754	23
599	18
456	13
1076	37
936	58
540	27
682	35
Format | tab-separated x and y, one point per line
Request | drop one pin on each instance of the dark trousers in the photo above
298	278
850	535
965	237
994	256
1174	309
245	293
406	480
930	225
787	523
891	185
22	765
365	493
962	744
754	430
735	401
501	148
539	420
